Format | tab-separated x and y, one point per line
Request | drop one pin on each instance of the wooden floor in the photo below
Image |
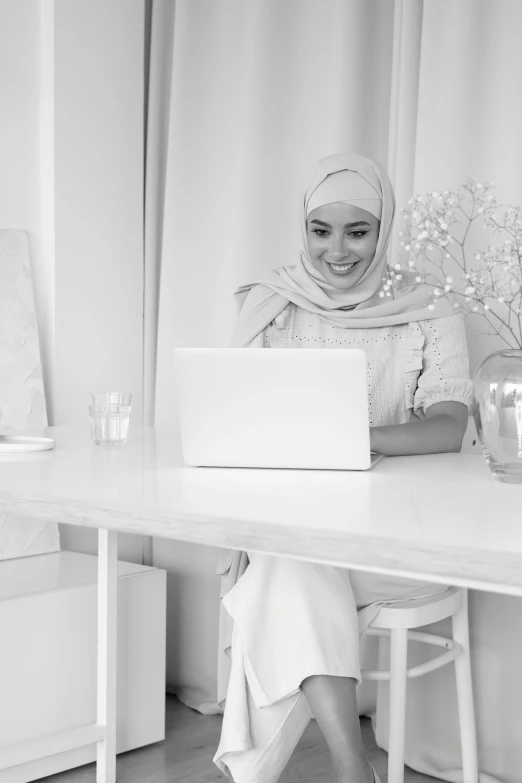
191	741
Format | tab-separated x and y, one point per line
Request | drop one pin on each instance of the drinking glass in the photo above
110	416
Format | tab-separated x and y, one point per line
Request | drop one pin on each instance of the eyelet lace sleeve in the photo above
276	334
445	367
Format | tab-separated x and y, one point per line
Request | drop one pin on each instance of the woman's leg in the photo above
333	703
298	627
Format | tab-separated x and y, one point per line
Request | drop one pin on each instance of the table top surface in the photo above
441	517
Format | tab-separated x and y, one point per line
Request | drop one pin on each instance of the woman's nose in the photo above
337	248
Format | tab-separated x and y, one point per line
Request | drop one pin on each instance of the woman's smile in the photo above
341	268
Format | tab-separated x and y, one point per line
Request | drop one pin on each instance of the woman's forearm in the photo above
426	436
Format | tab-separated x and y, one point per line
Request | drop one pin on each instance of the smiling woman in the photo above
293	627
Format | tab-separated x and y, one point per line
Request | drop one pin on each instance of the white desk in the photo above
438	517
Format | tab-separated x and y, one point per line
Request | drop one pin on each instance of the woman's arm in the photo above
441	430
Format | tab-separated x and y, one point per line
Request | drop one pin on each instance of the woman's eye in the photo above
320	232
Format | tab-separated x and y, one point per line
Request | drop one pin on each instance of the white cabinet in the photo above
48	607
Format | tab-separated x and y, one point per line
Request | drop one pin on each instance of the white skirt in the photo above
292	619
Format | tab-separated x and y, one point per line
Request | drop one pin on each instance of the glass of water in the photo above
109	414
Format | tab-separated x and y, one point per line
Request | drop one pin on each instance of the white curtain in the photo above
255	93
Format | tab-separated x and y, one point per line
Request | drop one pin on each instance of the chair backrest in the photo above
22	395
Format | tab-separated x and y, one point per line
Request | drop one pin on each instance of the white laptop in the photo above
277	408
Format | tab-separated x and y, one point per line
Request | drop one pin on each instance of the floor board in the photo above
191	741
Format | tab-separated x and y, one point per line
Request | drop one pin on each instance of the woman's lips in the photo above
341	269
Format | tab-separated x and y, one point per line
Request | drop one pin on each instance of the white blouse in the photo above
410	366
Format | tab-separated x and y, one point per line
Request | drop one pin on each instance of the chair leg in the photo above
398	669
468	737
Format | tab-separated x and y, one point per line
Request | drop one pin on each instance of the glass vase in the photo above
497	409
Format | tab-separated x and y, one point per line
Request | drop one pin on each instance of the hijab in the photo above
363	183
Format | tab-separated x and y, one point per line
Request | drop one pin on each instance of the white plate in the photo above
17	443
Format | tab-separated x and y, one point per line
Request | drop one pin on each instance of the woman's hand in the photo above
441	430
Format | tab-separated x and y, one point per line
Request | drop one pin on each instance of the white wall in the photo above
19	102
98	173
71	104
20	150
99	202
71	174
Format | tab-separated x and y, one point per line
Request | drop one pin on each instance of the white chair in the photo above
396	621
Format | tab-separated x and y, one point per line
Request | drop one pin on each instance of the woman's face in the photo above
341	242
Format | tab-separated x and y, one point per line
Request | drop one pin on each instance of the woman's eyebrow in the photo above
347	225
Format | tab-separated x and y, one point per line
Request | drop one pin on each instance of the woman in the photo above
294	626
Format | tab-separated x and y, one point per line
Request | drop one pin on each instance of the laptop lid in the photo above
277	408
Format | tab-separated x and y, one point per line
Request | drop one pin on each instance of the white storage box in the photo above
48	606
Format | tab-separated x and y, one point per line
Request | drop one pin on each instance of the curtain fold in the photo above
404	99
159	30
243	98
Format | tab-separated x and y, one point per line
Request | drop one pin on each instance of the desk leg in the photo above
107	631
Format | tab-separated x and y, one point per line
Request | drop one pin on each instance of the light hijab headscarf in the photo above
363	183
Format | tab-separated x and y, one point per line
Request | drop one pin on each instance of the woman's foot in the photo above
355	771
